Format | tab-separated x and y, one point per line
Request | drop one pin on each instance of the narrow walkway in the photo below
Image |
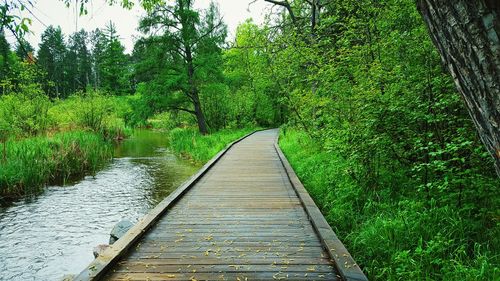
241	221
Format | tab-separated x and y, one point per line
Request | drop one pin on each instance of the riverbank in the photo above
398	234
30	164
190	144
44	141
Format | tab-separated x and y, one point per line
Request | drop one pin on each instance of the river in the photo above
46	237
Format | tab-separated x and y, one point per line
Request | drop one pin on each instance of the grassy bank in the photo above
52	141
31	163
189	143
398	235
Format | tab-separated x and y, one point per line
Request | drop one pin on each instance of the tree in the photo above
254	95
113	63
7	59
25	50
51	59
78	63
466	34
185	39
98	42
110	65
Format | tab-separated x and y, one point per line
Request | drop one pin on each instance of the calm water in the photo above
53	235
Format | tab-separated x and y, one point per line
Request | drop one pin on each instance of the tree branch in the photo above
285	4
183	109
208	32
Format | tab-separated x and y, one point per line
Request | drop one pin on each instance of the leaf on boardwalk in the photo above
312	268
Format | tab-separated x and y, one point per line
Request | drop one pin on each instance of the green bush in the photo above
24	114
96	111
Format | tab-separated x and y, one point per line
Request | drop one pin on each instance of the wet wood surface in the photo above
242	220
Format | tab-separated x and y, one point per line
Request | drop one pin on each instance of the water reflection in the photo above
53	234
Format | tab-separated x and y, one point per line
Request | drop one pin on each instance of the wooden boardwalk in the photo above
241	218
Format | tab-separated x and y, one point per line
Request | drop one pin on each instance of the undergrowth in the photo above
398	235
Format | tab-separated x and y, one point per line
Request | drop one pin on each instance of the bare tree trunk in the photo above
466	34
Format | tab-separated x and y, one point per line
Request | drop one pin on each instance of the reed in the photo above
32	163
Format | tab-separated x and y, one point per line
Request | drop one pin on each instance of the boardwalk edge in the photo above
343	261
97	268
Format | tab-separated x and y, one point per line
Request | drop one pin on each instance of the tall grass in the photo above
34	162
189	143
395	236
96	111
86	122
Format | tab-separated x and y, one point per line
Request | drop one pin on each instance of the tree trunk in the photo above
466	34
193	93
200	117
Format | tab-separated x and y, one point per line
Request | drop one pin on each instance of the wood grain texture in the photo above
241	220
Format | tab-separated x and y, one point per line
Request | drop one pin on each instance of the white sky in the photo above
54	12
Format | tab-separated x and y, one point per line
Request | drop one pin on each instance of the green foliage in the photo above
31	159
179	55
399	235
189	143
51	58
78	66
254	97
95	111
33	162
24	112
8	59
112	62
70	65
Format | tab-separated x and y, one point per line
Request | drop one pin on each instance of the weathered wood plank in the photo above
219	276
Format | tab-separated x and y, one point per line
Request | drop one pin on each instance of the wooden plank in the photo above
214	260
162	266
344	262
99	266
220	276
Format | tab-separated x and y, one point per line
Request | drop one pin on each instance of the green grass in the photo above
83	127
104	114
189	143
32	163
395	236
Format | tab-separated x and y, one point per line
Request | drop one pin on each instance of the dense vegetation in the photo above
48	139
370	119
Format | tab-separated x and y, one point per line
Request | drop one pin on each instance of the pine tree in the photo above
51	54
